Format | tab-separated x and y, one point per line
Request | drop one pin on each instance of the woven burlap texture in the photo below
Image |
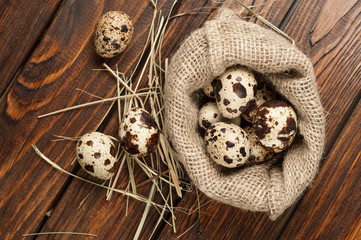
206	53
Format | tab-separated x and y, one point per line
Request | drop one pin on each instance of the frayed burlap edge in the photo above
206	53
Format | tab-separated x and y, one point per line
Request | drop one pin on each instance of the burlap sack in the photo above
206	53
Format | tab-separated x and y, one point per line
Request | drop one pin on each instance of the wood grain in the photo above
21	25
36	197
338	89
62	62
331	209
333	52
113	223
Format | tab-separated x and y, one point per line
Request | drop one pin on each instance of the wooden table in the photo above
46	53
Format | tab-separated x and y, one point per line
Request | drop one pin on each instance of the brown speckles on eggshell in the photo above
152	142
209	89
238	90
147	120
275	104
227	159
242	150
206	123
261	96
94	153
230	110
89	168
291	124
112	33
224	144
133	120
217	89
226	102
97	155
261	128
112	151
127	142
229	144
124	28
208	115
141	134
275	125
258	153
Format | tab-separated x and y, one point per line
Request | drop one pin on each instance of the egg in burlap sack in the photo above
222	42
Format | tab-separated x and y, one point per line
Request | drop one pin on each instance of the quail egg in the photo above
227	144
275	125
209	89
234	90
96	155
113	33
258	153
209	115
139	133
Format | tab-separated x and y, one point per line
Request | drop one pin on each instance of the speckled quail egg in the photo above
113	33
139	133
227	144
209	115
96	155
258	153
209	89
234	90
275	125
264	93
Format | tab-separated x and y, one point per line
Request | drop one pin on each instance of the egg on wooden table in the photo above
96	155
138	132
227	144
275	125
234	90
209	115
112	34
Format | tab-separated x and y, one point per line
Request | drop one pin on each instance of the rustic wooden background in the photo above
46	53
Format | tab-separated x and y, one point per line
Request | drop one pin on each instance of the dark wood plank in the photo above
331	209
22	211
115	223
339	86
332	42
21	25
62	62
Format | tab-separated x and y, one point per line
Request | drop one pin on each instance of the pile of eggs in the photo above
238	95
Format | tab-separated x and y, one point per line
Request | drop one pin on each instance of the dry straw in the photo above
127	97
